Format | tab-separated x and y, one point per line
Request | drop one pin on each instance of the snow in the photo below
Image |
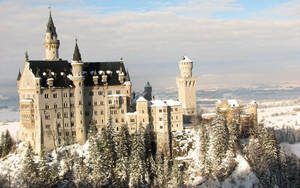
279	114
26	100
163	103
233	103
291	148
186	59
141	99
12	127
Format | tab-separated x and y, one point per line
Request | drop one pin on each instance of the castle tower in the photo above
186	84
78	81
252	110
148	91
51	43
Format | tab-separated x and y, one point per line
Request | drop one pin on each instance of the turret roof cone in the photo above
50	26
76	54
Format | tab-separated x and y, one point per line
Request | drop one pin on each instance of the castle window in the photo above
161	127
65	94
176	117
80	112
176	109
118	92
101	102
58	125
122	111
73	133
160	119
160	110
99	92
117	128
102	112
142	111
115	111
87	113
67	133
143	120
109	102
47	126
66	124
109	92
46	106
72	114
91	93
80	103
59	134
132	120
116	120
58	115
71	105
71	94
46	96
95	103
65	115
95	112
54	95
72	124
65	105
47	116
55	106
164	110
122	120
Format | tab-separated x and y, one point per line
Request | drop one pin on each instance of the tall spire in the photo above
26	56
76	54
19	75
50	26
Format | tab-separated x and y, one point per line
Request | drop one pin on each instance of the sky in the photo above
233	43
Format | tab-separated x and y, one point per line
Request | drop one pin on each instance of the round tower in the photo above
148	91
51	42
186	66
78	81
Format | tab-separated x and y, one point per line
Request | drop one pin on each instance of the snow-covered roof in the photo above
116	95
26	100
162	103
253	102
233	103
131	113
185	59
141	99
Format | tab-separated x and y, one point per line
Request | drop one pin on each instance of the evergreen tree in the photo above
80	172
205	169
152	172
218	137
160	172
29	169
44	171
137	161
176	179
6	143
122	163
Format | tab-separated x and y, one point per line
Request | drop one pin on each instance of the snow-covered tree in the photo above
176	178
218	137
203	163
6	143
44	171
80	172
29	172
160	172
123	156
137	161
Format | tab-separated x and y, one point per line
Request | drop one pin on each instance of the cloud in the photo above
289	9
152	42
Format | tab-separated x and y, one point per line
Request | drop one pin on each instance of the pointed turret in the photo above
51	42
26	56
19	75
50	26
127	76
76	54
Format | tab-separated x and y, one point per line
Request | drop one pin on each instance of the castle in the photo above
59	99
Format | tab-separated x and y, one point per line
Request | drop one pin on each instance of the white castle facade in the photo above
60	99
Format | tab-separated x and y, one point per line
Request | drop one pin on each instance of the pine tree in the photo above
203	150
152	172
137	161
160	172
176	179
6	143
29	169
80	172
122	162
218	138
44	171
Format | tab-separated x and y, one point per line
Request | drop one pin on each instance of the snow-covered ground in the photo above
280	113
12	127
292	148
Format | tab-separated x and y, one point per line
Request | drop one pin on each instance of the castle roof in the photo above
147	84
60	71
19	76
185	59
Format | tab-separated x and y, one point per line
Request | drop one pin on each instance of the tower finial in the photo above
26	56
